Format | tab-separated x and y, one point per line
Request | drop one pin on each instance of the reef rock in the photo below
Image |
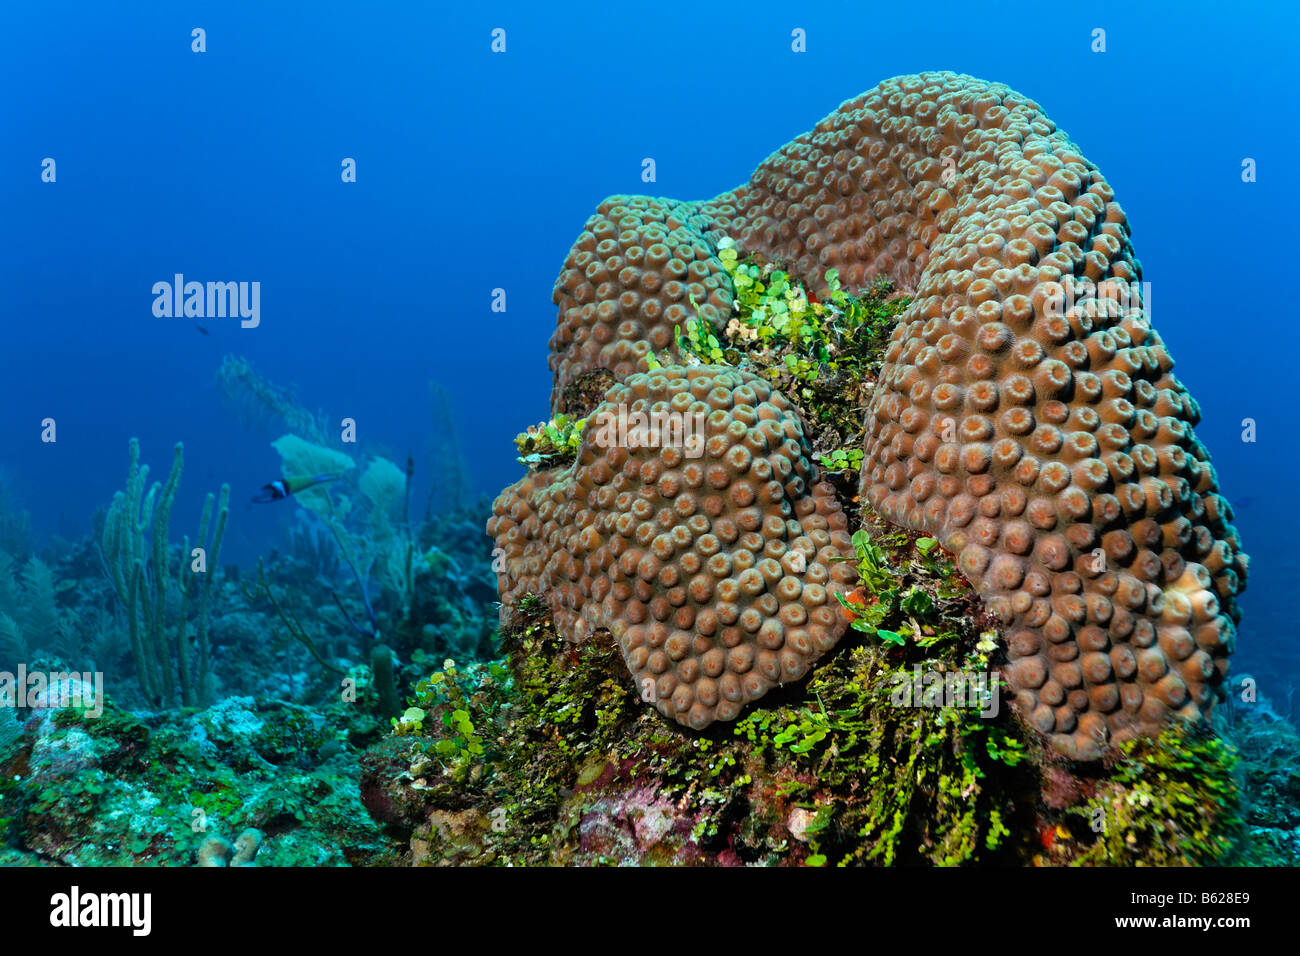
1026	416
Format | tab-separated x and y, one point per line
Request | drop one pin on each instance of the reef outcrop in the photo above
1026	415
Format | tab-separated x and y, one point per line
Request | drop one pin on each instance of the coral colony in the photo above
1051	450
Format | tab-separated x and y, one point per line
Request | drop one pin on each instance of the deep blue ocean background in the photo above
477	170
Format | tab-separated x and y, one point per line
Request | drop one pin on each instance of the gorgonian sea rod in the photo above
1027	415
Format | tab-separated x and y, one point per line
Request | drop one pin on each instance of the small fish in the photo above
201	329
284	487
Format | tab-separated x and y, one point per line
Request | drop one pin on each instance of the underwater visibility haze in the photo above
671	434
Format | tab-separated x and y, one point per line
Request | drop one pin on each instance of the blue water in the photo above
476	171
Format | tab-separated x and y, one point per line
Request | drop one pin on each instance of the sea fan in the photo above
107	639
43	623
10	594
13	645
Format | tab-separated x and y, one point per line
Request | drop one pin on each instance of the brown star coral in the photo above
628	280
1026	416
709	558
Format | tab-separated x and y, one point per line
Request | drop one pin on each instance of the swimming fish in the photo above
284	487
